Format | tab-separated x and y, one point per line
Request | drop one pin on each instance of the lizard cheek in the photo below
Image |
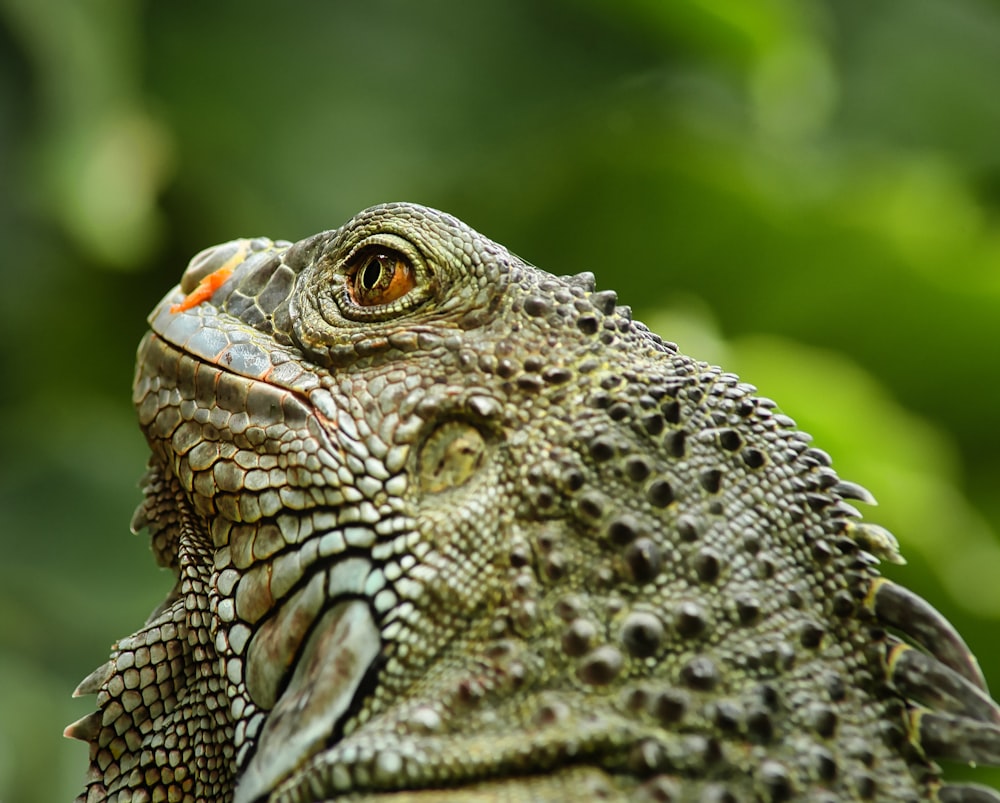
342	648
273	650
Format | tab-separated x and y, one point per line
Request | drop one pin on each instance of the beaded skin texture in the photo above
447	527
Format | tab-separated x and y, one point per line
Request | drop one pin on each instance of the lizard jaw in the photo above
333	664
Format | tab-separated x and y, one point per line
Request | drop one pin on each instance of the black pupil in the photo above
371	273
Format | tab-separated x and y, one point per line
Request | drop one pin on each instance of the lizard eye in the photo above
379	276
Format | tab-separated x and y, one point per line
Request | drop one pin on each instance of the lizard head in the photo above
438	517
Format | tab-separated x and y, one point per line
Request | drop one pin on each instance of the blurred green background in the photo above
805	191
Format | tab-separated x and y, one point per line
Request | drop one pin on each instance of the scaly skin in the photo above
447	527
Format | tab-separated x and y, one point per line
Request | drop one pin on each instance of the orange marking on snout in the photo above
205	289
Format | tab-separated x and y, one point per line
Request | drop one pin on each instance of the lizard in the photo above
445	526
